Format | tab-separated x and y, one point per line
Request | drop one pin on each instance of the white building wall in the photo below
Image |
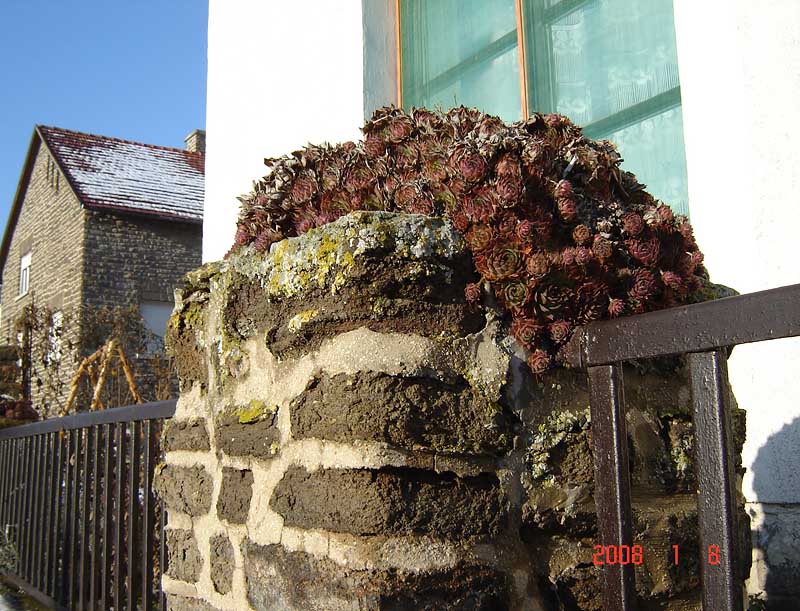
739	65
280	74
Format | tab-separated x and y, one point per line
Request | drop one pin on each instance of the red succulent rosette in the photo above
479	237
581	234
632	223
468	163
537	265
359	177
567	209
459	220
304	188
472	293
509	188
516	294
602	248
399	128
434	168
539	361
644	251
502	263
616	307
525	330
374	146
480	205
422	204
551	301
559	331
643	286
562	190
508	165
524	230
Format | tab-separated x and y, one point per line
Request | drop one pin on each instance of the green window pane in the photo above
458	52
612	67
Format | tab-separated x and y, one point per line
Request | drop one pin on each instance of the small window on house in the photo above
54	337
155	315
24	273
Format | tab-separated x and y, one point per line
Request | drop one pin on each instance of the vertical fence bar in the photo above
4	456
58	499
18	495
119	510
85	508
716	508
133	511
107	516
48	482
95	523
66	553
148	513
74	529
24	475
613	499
38	512
30	495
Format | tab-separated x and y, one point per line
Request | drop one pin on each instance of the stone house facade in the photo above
97	221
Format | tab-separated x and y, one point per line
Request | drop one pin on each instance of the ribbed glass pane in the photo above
653	150
458	52
612	67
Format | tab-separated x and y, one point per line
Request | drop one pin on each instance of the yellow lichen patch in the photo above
301	318
254	411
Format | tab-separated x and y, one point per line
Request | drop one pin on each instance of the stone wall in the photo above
352	435
49	208
131	259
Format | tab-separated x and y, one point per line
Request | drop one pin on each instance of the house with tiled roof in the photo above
98	221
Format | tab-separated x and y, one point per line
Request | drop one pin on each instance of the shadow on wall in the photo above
776	525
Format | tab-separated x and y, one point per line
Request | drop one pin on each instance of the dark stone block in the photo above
222	563
188	434
233	503
183	557
184	489
384	294
411	413
391	501
237	436
297	581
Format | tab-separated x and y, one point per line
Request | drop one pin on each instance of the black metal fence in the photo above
703	331
76	503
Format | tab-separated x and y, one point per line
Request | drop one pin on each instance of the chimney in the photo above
196	141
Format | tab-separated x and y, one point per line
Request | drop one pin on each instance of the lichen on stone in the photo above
254	411
558	429
324	256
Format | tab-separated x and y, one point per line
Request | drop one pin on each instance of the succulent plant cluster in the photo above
558	232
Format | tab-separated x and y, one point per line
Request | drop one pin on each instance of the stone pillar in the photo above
351	434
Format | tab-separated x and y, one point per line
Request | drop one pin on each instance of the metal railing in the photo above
77	505
704	331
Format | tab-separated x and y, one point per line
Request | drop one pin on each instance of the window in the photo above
24	273
609	65
155	315
456	52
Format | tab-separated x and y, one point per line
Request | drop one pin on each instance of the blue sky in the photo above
129	69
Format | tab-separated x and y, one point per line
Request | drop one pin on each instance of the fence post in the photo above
716	500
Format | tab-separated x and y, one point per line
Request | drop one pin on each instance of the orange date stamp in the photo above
633	554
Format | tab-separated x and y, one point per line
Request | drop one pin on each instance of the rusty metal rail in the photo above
76	503
703	331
